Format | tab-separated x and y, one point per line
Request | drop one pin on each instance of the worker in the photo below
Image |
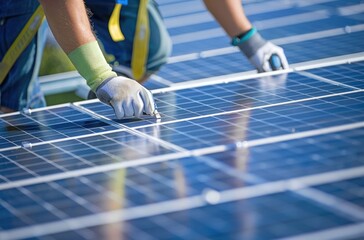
133	31
118	35
70	25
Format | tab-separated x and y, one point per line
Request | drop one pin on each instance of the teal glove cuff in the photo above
91	64
250	42
237	40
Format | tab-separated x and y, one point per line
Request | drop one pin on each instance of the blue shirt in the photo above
10	8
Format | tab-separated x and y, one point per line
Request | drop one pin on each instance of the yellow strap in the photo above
114	24
141	42
21	42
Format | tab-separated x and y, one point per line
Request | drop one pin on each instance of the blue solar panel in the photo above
268	222
142	185
50	124
347	74
269	157
263	123
203	67
222	41
326	47
349	190
333	22
71	154
296	52
220	98
169	181
340	3
298	157
313	18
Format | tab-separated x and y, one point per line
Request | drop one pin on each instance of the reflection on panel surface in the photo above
262	158
349	190
46	125
350	74
256	218
262	123
300	157
235	62
124	188
76	154
233	96
162	183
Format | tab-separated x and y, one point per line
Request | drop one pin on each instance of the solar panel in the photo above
262	122
283	20
239	156
347	74
222	98
225	62
311	36
61	156
49	124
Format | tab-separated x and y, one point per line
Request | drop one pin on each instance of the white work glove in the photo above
127	97
263	55
268	58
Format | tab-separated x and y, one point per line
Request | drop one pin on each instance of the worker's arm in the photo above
264	55
70	25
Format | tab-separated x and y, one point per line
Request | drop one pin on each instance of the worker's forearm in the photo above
230	14
69	22
71	27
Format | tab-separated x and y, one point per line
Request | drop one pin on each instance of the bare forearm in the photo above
230	14
69	22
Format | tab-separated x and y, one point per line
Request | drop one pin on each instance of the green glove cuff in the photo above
91	64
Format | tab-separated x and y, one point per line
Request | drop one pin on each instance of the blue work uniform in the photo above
160	45
20	89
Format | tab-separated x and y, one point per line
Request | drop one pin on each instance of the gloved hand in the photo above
268	58
264	55
127	97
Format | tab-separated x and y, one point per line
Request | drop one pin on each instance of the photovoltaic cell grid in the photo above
262	123
220	162
346	74
46	125
307	31
315	22
147	186
222	64
222	98
271	13
68	155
